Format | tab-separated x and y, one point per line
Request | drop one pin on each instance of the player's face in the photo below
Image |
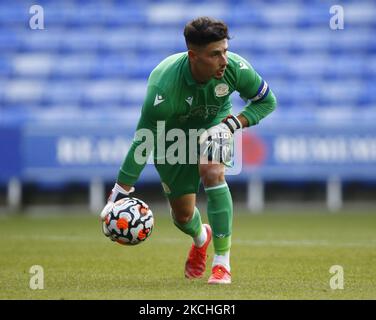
210	61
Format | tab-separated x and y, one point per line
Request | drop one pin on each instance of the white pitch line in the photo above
241	242
290	243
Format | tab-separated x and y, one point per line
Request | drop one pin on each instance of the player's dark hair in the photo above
204	30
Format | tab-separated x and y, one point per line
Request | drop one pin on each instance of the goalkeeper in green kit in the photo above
186	91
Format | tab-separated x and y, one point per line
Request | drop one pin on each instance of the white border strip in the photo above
223	185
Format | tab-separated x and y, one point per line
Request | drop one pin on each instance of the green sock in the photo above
220	216
192	227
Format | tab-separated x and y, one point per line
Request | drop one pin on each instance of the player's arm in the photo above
155	108
216	142
256	92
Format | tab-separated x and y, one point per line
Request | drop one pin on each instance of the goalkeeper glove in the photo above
217	142
117	193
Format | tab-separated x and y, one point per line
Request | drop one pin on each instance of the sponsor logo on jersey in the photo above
221	90
158	99
200	113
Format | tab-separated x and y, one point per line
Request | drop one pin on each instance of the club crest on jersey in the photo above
221	90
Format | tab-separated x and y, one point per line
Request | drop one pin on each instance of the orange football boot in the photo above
220	275
196	262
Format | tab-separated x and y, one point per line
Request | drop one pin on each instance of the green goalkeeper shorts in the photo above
183	178
179	179
179	170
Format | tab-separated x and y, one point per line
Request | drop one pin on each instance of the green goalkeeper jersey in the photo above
174	97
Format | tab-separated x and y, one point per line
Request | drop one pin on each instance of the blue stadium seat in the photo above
100	53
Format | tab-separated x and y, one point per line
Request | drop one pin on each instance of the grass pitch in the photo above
274	256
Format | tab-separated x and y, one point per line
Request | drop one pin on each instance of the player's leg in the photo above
181	184
220	215
187	217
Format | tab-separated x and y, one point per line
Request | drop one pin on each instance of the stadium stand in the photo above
101	53
92	60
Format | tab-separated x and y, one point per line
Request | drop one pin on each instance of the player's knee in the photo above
212	175
182	208
182	215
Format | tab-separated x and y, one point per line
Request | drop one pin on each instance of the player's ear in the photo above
192	54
